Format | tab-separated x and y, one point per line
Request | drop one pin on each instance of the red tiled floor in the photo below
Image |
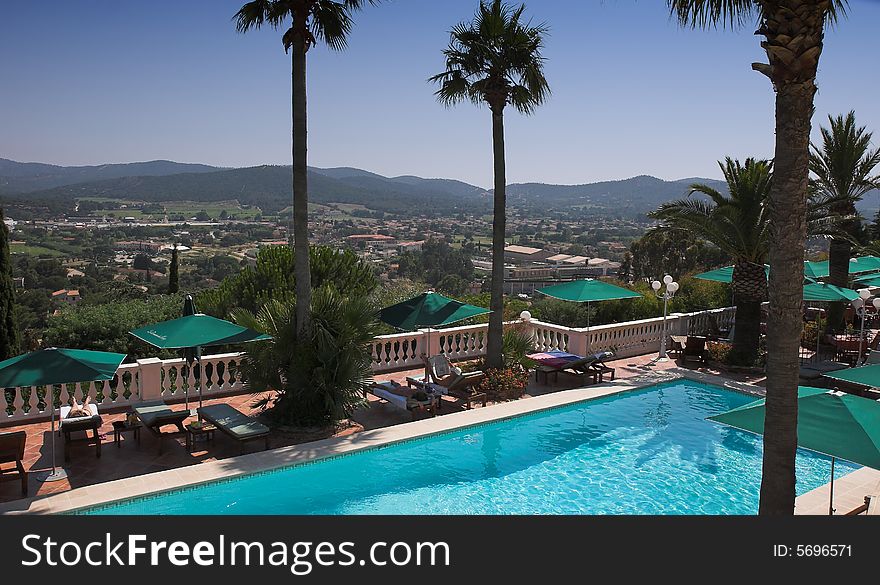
131	459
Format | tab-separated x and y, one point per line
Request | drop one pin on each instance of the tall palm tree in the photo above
311	21
842	174
496	60
793	32
738	224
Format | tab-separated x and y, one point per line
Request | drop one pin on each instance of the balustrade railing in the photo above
152	378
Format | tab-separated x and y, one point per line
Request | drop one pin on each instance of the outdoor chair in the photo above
235	424
156	414
68	425
459	385
12	451
591	366
695	348
405	397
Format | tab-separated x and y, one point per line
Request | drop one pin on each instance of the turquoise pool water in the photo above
649	451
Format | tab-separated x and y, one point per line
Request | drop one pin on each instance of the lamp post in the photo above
861	309
668	293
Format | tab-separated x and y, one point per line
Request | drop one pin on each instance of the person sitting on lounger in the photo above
443	373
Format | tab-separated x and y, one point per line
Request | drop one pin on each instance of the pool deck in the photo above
180	477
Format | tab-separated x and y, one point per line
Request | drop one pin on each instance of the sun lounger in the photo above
695	348
459	385
156	414
592	366
390	393
68	425
12	451
235	424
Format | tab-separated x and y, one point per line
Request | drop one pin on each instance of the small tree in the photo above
173	276
9	336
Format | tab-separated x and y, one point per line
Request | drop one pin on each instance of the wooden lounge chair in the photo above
459	385
396	395
695	348
235	424
592	366
12	451
156	414
68	425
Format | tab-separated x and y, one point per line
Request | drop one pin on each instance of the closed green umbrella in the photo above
587	291
840	425
54	366
428	309
194	331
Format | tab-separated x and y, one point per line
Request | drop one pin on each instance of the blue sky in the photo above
96	81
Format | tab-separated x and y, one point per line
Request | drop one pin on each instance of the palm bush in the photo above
319	380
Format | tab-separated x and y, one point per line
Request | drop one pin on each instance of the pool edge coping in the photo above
151	484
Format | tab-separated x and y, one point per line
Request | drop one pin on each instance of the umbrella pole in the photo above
201	373
589	344
831	491
56	474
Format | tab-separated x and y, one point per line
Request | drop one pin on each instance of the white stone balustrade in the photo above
153	378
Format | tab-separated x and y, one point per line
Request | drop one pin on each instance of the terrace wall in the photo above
174	380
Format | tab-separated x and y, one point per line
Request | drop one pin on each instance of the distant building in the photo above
70	297
139	246
74	273
516	253
410	246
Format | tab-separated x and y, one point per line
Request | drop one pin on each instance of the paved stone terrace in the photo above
131	459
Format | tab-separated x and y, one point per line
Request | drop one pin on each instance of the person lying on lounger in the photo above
79	410
400	390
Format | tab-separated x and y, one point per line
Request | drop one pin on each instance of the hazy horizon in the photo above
633	93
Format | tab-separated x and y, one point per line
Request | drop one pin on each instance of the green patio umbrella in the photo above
824	292
427	310
724	274
840	425
857	265
870	280
587	291
864	375
54	366
194	331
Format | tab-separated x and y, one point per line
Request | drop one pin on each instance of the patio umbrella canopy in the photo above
724	274
52	366
428	309
823	292
840	425
587	291
196	330
864	375
55	366
870	280
856	266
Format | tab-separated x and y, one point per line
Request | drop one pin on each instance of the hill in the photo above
18	177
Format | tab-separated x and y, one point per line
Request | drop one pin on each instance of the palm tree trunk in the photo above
300	190
794	31
788	195
499	221
749	286
838	274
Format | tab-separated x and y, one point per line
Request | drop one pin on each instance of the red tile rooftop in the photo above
132	459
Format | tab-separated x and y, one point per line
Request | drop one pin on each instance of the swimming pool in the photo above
647	451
